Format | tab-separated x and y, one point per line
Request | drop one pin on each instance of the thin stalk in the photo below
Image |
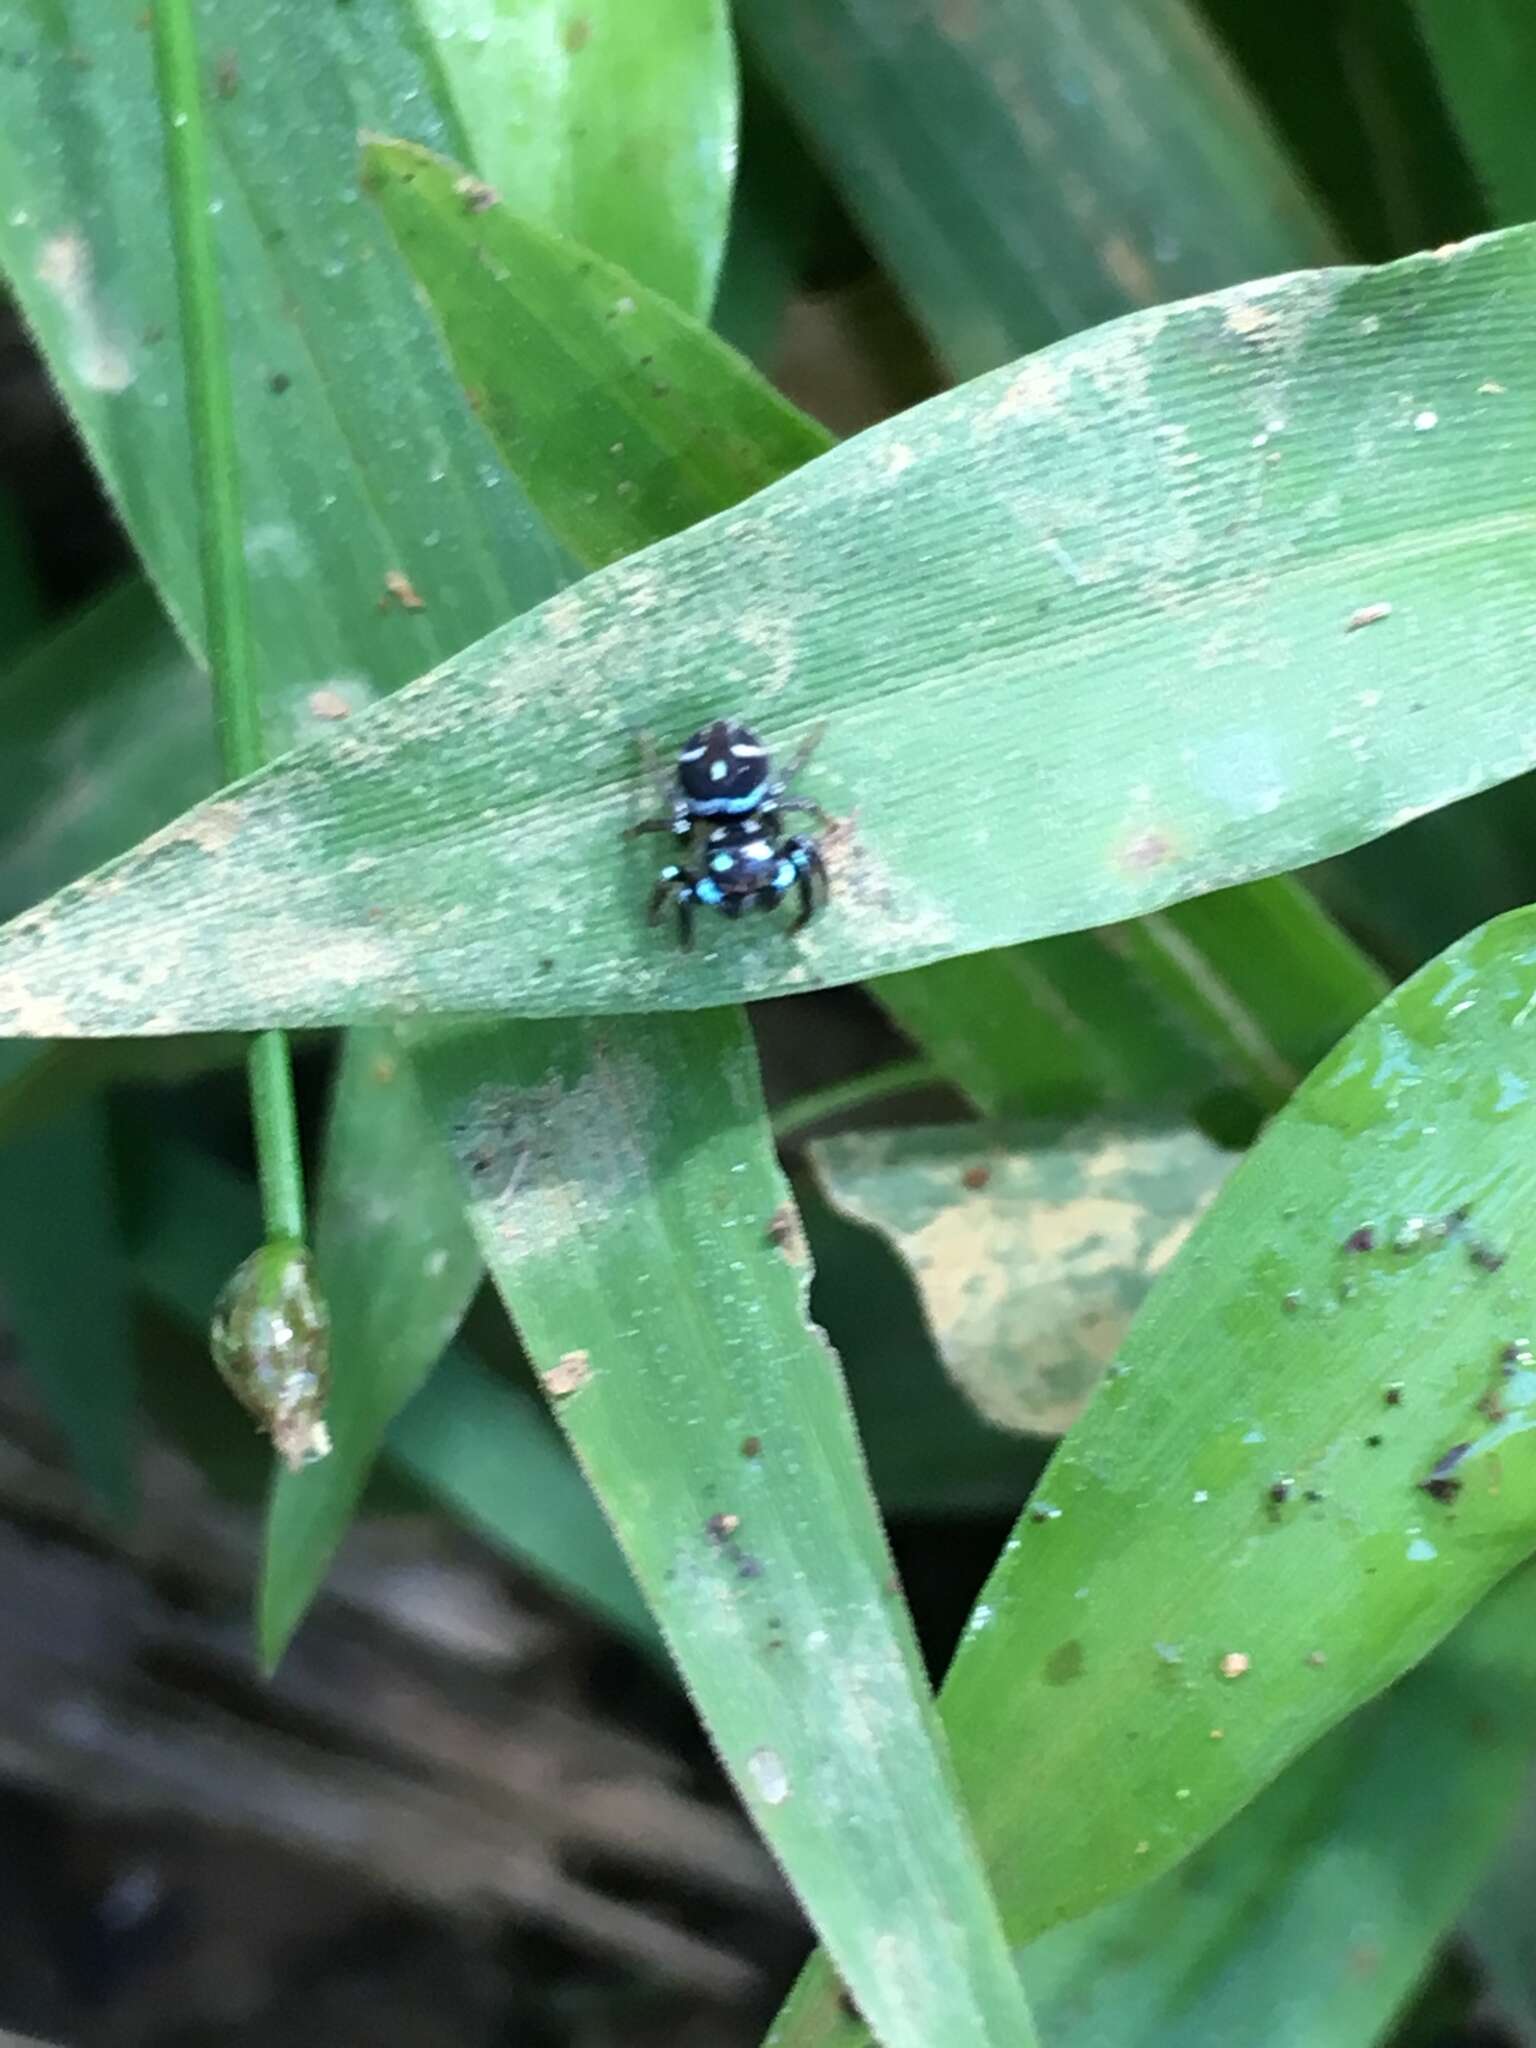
897	1077
227	627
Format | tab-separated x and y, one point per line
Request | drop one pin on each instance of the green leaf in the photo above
1313	1915
1038	1029
106	733
1316	1453
1031	1245
414	857
928	1451
1497	1925
64	1286
398	1268
623	419
1485	53
614	125
91	266
481	1446
1028	170
1171	184
1248	987
348	479
487	1451
107	730
626	1198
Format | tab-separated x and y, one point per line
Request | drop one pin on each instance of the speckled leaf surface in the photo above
1027	586
1031	1246
625	1195
613	124
1316	1451
1357	1860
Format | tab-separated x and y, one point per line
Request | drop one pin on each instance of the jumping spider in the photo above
725	809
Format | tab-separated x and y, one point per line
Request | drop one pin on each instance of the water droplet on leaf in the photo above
270	1339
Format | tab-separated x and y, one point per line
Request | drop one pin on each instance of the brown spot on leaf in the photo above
578	33
976	1176
478	197
785	1234
398	585
1367	615
1147	850
1064	1663
570	1375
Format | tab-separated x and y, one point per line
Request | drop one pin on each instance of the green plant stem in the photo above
897	1077
227	624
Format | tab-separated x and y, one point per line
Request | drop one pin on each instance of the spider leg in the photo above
807	805
677	885
809	870
803	754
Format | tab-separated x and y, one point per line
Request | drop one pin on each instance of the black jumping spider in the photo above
725	808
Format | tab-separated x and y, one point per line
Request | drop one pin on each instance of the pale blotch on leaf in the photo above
768	1774
569	1375
271	1340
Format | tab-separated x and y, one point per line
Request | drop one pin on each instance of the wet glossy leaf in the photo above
614	125
1312	1916
270	1338
946	126
1031	1246
1317	1451
415	855
626	1198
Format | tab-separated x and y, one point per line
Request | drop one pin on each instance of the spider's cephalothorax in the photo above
726	808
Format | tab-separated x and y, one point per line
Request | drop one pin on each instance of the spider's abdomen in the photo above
740	859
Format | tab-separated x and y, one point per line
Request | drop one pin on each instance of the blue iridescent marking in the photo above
707	891
801	859
729	806
784	875
722	863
